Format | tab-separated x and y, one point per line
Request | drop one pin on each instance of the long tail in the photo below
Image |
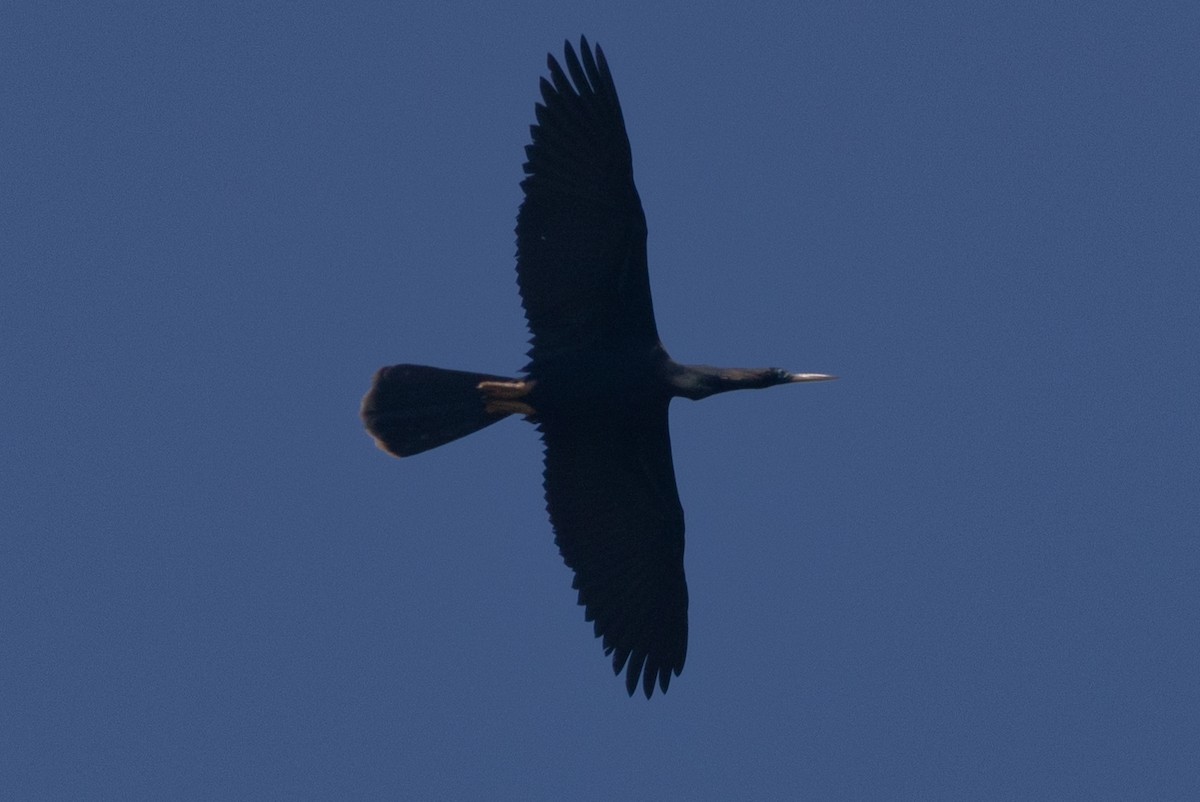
413	408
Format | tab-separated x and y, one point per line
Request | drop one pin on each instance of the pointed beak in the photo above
810	377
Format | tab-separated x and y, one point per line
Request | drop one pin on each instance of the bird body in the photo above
598	383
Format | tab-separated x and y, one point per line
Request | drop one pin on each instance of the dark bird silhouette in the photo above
598	382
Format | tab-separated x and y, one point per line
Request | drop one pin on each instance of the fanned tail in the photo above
413	408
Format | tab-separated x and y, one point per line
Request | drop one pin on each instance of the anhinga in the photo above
598	382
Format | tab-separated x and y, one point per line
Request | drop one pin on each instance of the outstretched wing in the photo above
611	495
581	233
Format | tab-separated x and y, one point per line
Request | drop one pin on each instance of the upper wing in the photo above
611	495
581	233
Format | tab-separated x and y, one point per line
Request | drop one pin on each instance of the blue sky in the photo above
968	569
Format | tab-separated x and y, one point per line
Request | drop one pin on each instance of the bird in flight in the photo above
598	382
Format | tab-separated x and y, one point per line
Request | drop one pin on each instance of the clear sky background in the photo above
968	569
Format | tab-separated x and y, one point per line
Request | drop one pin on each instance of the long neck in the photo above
701	381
